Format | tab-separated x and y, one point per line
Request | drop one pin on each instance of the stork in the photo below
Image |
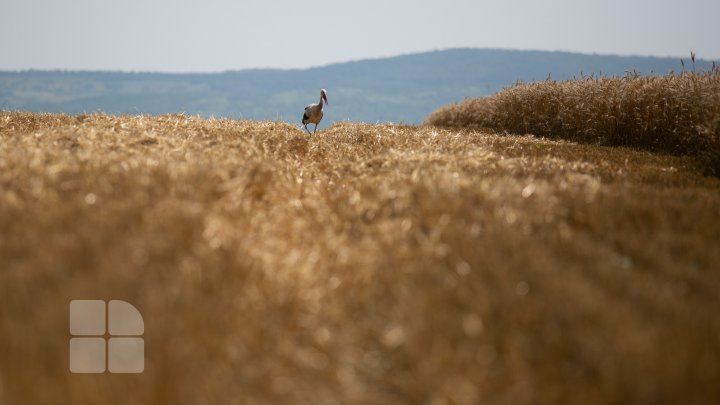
314	112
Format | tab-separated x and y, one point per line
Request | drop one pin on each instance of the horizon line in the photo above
350	61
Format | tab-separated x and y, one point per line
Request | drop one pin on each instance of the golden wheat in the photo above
368	264
656	113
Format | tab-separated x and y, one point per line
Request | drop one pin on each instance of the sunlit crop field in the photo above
677	113
368	264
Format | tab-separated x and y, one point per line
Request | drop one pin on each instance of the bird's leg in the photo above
306	128
315	129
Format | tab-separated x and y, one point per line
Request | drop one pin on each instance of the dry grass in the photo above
655	113
364	265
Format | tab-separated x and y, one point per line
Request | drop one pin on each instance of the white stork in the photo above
314	112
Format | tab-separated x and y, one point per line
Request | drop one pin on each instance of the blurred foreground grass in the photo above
367	264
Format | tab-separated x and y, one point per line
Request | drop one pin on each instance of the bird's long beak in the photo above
325	98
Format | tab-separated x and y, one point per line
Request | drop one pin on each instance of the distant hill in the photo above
398	89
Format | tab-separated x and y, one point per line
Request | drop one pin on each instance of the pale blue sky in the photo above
218	35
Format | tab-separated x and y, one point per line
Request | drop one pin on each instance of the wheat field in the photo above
677	113
369	264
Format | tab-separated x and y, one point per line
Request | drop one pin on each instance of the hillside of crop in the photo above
675	114
368	264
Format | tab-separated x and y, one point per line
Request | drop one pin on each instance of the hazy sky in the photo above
217	35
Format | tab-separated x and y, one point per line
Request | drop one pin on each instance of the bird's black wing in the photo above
305	118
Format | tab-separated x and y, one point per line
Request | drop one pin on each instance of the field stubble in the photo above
367	264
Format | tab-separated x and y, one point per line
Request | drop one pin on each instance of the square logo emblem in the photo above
91	352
